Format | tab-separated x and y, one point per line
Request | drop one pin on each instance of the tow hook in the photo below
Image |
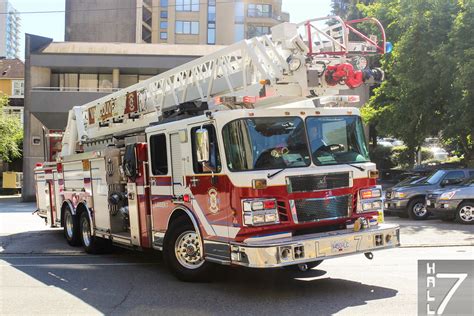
34	212
303	267
369	255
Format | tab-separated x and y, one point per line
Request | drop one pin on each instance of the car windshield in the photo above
336	139
435	177
266	143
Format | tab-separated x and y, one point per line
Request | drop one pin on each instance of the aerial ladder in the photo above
313	59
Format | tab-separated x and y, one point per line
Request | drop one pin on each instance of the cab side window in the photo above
453	175
159	156
214	163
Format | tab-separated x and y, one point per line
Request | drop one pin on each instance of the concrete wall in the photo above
101	21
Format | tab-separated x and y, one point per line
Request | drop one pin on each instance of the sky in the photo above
52	24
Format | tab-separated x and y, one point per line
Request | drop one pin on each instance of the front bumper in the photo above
313	247
446	208
396	204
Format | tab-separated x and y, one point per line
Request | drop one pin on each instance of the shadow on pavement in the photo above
133	282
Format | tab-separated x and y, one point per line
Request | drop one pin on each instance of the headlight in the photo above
447	195
370	193
260	212
399	195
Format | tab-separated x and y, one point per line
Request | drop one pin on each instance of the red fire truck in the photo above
249	156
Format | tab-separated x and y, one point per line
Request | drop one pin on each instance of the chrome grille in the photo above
310	183
311	210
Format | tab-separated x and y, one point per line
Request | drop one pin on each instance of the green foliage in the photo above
429	86
397	157
11	133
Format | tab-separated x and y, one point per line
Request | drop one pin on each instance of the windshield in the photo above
336	139
435	177
265	143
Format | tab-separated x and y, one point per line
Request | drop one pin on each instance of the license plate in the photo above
340	246
428	202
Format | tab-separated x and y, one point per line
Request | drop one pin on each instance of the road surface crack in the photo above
123	299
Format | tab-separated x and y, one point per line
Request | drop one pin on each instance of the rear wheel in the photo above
92	244
183	252
417	209
71	228
304	266
465	213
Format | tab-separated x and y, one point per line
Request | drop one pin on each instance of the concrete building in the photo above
59	76
221	22
9	30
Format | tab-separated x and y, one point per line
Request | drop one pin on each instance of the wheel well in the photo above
178	214
80	209
416	197
466	200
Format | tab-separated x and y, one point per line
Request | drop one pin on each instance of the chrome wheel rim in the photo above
419	209
69	225
466	213
188	250
86	232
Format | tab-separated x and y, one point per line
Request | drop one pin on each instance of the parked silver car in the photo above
408	199
453	203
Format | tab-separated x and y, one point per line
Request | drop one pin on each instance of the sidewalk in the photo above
21	232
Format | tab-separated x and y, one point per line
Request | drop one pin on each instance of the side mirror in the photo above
202	145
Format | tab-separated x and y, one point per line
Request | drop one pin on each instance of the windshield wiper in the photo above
357	167
271	175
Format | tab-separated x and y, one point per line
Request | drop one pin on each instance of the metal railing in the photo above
75	89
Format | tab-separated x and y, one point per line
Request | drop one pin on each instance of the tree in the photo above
411	103
11	133
456	60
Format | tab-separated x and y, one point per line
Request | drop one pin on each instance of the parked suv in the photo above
453	203
409	198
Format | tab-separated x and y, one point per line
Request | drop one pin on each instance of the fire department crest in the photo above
213	200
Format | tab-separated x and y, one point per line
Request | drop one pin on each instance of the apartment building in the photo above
211	22
9	30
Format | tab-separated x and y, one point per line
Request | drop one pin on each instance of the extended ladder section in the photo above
312	59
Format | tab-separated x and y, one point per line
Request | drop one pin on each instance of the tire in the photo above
465	213
183	254
417	209
304	266
91	244
71	228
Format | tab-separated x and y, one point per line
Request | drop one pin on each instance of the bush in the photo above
396	157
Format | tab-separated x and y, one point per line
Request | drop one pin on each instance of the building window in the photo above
211	13
259	10
164	35
211	36
88	82
239	32
68	82
239	15
187	27
105	82
127	80
18	88
164	14
254	30
187	5
163	3
163	25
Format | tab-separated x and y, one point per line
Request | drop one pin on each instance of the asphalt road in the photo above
40	274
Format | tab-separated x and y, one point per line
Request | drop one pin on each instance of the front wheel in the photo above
465	213
417	209
183	252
